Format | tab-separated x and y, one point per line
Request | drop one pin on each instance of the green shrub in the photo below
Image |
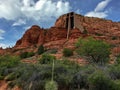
117	85
24	55
98	34
30	54
46	59
12	76
79	81
118	59
11	84
35	76
85	31
32	76
41	49
96	51
114	37
99	81
67	63
67	75
51	51
51	85
114	72
80	78
1	77
9	61
27	54
67	52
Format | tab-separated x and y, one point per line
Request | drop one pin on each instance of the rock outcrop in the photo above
56	36
38	36
30	37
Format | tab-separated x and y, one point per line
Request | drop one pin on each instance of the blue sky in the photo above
16	16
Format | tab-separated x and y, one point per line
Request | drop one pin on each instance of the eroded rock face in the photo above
39	36
56	36
61	22
30	37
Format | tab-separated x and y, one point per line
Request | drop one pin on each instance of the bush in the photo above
114	72
69	63
35	76
1	77
51	85
10	77
46	59
117	84
85	31
67	52
98	34
9	61
80	78
51	51
79	81
24	55
30	54
40	49
118	59
99	81
95	51
114	37
27	54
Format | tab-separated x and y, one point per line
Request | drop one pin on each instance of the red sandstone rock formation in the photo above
56	36
30	37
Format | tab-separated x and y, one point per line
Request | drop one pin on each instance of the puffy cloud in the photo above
10	9
102	5
99	10
19	22
31	10
27	2
97	14
1	33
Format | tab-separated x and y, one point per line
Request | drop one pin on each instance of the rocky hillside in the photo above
56	36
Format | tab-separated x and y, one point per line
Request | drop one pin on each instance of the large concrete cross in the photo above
72	22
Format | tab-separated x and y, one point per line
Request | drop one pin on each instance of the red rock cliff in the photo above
96	27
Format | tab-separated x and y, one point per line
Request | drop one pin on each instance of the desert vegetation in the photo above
53	74
67	52
41	49
26	54
95	51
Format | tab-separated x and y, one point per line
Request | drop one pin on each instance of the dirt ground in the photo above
3	85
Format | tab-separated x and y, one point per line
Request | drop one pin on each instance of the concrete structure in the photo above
72	21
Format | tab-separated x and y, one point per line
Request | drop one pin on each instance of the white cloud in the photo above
99	10
78	11
22	11
30	10
19	22
1	34
97	14
3	45
102	5
10	9
28	2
